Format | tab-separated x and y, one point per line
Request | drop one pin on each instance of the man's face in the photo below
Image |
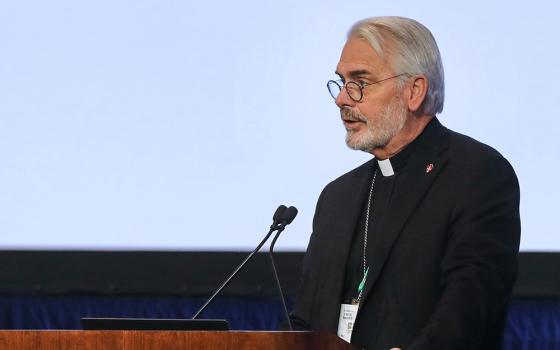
381	113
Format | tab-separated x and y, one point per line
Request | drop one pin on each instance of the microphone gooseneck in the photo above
287	218
278	222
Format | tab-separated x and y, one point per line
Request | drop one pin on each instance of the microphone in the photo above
287	218
278	221
278	215
289	215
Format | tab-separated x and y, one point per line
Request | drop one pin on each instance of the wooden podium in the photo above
167	340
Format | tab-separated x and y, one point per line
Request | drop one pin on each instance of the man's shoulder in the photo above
471	158
354	175
468	149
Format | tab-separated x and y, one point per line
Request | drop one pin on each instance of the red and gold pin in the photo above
429	167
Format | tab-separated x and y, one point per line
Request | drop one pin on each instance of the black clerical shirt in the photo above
383	190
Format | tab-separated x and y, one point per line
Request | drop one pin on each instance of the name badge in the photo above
346	321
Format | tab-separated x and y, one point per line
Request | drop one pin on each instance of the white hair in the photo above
411	48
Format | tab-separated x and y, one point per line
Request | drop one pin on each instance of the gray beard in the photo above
381	130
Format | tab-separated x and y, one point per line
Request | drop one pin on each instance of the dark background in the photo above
198	273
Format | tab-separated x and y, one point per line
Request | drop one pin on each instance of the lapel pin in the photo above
429	167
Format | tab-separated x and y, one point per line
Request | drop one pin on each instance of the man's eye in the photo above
362	83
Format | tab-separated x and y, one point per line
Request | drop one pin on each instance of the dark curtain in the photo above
531	325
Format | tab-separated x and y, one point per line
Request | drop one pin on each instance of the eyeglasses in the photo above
355	90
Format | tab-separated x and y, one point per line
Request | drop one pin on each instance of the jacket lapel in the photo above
411	186
342	224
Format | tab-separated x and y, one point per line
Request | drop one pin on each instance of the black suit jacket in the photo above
444	262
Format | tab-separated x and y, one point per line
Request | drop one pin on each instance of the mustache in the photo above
352	115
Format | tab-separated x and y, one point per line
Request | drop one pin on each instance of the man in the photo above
417	248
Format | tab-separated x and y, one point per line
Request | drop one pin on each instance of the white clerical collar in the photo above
386	167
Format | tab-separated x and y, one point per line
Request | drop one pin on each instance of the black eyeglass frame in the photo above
360	86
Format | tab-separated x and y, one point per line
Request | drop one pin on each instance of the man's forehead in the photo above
358	52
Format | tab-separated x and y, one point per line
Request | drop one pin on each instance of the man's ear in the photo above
416	92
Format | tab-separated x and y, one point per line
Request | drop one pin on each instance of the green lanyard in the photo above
361	287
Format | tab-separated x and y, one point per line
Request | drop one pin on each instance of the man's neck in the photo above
413	127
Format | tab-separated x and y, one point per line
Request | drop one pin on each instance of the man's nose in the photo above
343	99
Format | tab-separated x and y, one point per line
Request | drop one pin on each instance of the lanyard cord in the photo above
365	266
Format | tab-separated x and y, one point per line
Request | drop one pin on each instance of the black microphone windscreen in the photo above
279	213
290	215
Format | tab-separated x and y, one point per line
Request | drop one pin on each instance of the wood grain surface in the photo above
168	340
